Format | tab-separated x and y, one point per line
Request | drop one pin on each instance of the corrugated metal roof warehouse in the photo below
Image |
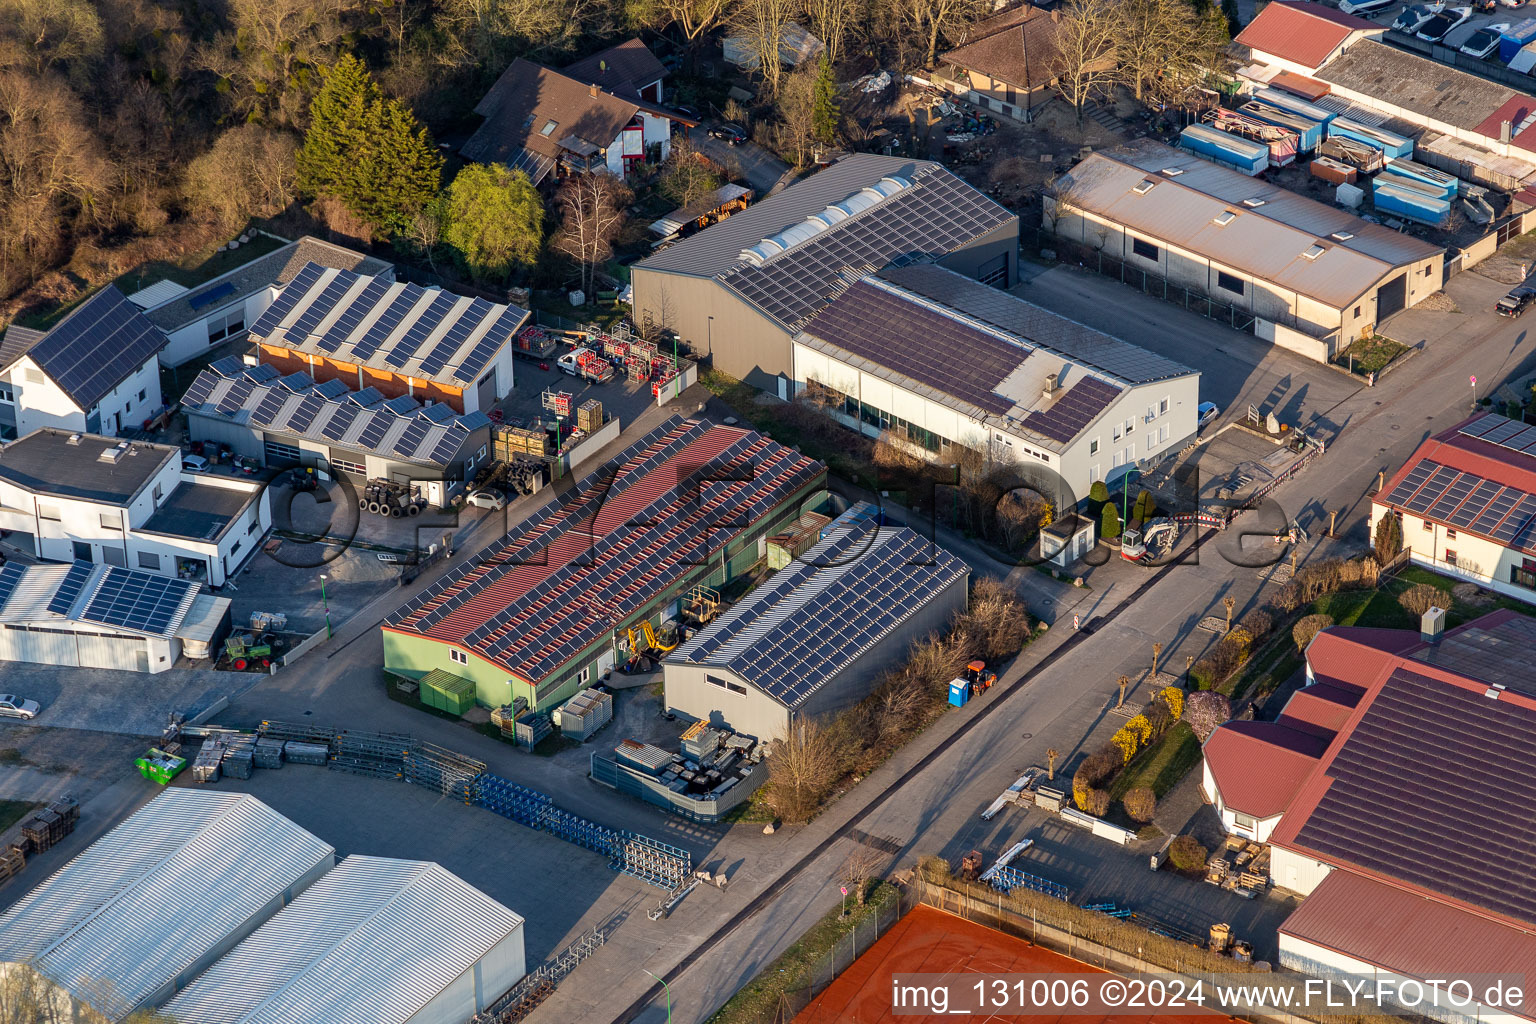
377	940
145	908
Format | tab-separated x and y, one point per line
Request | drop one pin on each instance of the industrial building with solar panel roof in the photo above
814	637
1395	790
400	339
1012	380
1466	501
548	609
740	289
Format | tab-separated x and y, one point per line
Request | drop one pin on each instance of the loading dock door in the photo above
486	390
1391	297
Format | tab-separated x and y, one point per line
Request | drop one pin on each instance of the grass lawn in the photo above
1370	355
1459	611
841	452
12	811
1160	766
196	267
790	972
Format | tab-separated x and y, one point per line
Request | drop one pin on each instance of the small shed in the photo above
447	692
796	46
1067	539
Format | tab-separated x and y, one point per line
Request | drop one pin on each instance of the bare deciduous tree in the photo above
1162	47
832	21
762	23
248	172
797	112
1229	603
860	866
694	17
801	766
592	214
1084	66
934	20
270	54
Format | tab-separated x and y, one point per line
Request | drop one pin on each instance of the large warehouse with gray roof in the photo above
815	636
1069	405
1316	278
739	290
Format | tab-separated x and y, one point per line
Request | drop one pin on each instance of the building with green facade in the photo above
541	613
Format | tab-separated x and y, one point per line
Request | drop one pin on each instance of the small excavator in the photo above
1149	542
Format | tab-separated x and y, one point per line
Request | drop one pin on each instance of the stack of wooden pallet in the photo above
12	859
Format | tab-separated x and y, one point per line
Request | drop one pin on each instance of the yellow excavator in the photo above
644	638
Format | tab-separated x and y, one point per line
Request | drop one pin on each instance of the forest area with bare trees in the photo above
142	130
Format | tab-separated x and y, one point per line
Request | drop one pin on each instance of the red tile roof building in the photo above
1410	830
543	611
1302	37
1466	500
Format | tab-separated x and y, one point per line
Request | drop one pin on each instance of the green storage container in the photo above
447	692
158	766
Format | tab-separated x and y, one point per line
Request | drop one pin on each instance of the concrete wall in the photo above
502	966
1477	559
690	693
1294	341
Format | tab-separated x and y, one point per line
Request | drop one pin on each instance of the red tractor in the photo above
980	679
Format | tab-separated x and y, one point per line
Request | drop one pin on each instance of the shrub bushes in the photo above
1098	803
1421	598
1109	524
1099	492
1173	697
1204	710
1308	627
1140	803
1258	623
1186	853
1093	772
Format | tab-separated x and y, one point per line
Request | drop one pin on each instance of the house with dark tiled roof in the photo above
221	309
1466	503
97	370
740	289
995	374
1005	62
604	112
1395	790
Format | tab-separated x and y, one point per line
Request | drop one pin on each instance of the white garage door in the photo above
111	652
43	648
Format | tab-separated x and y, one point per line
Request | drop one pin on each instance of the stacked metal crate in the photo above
269	753
205	767
239	758
295	752
585	713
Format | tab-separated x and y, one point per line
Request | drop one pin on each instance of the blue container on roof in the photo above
1389	143
1410	204
1513	41
1227	150
1309	132
1295	104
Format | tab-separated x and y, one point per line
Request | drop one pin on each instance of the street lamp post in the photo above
327	603
668	990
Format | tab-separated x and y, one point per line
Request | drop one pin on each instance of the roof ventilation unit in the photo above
113	454
75	439
1224	218
1431	625
1341	236
1173	172
1313	253
1144	186
1052	384
1253	203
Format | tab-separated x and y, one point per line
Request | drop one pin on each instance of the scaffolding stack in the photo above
380	755
1008	879
299	731
443	770
648	860
518	803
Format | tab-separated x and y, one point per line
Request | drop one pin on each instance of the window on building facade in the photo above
1229	282
277	451
1093	447
111	521
1450	534
7	396
149	560
1162	407
1524	574
1428	525
50	513
457	656
354	468
226	325
1146	250
1450	557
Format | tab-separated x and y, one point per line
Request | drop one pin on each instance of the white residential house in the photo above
95	371
69	497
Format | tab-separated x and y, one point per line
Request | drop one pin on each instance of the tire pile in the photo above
383	498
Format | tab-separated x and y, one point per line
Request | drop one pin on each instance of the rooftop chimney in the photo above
1056	14
1432	625
1050	385
1505	131
593	88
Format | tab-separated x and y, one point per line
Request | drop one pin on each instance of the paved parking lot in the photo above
1459	35
619	397
1237	369
106	700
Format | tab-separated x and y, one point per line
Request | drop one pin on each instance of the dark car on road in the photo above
735	134
1516	302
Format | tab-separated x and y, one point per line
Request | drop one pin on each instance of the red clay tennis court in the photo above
930	941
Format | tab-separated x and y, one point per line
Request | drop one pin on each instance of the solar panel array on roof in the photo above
69	588
1499	654
424	333
1468	502
566	576
814	618
97	346
212	295
937	215
139	600
1073	411
877	324
1511	434
10	575
432	436
1424	752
